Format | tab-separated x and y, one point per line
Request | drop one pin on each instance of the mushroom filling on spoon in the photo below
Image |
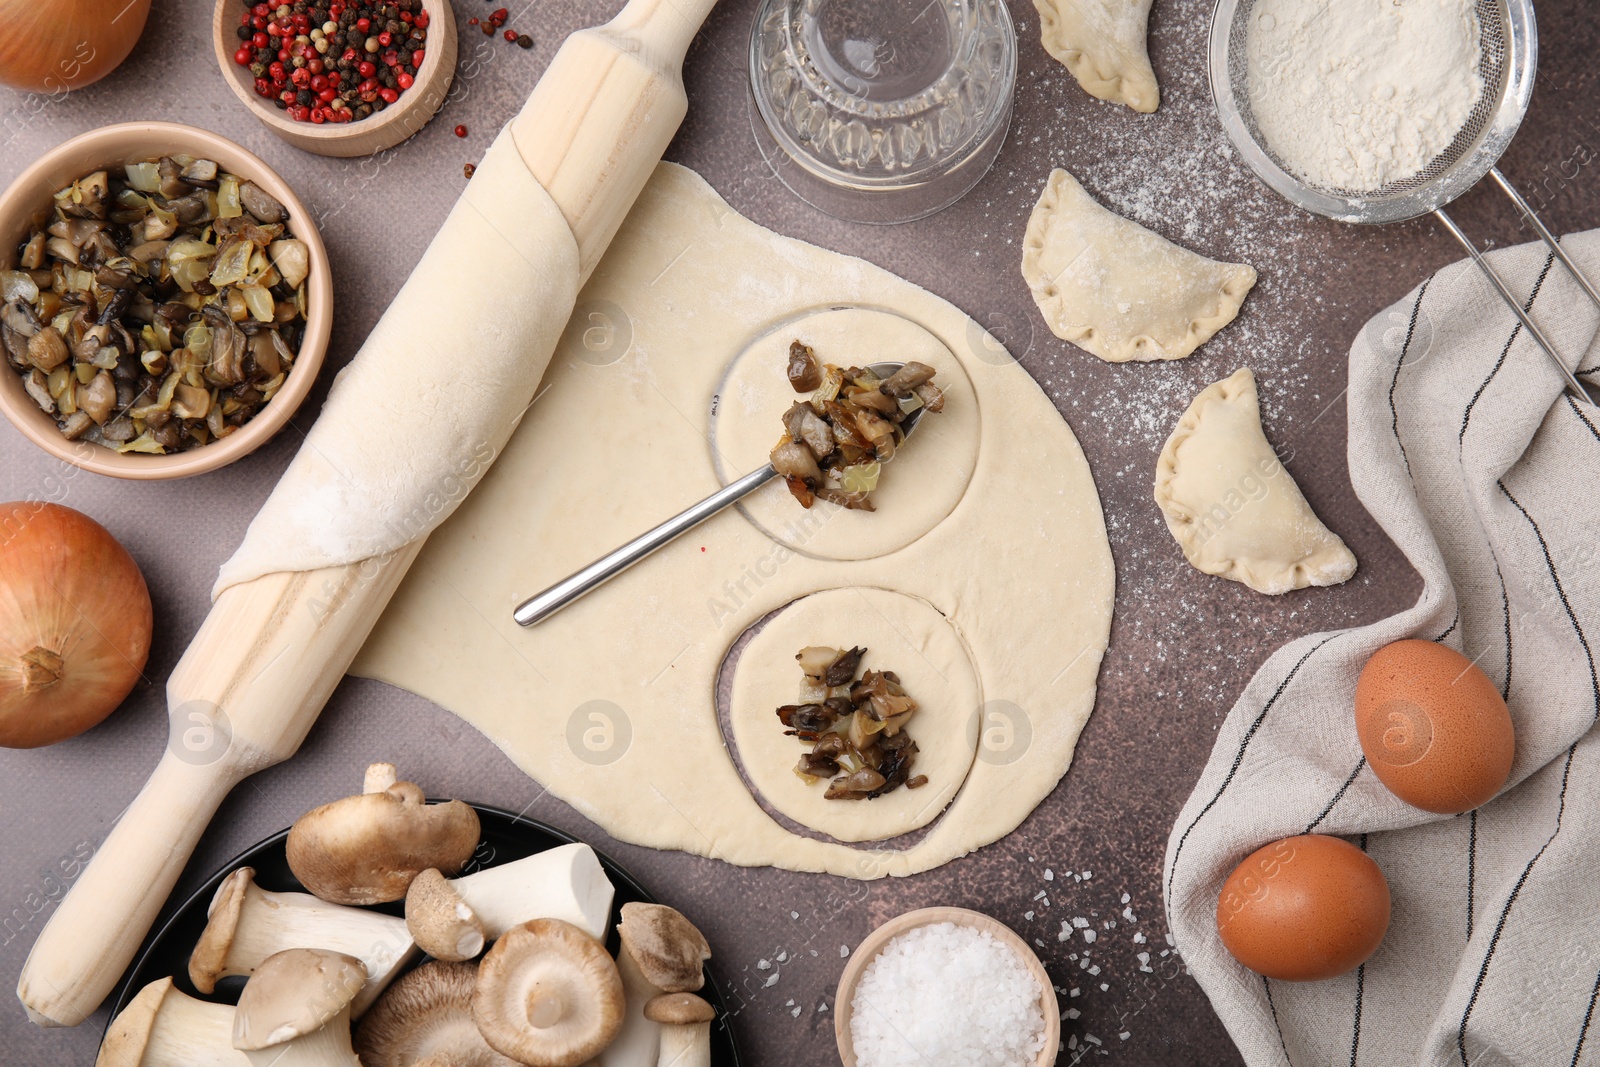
834	443
855	727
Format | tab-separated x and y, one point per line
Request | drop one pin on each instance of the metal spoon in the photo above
543	605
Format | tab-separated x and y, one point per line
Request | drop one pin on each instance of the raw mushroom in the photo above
548	995
685	1029
162	1027
426	1018
366	849
295	1010
247	924
639	1038
660	948
452	919
669	950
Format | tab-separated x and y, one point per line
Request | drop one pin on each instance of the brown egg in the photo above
1304	909
1434	728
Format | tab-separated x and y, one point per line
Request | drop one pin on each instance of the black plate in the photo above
506	837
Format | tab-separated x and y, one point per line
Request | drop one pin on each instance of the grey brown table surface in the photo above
1182	645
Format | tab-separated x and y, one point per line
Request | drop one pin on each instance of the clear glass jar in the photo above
882	111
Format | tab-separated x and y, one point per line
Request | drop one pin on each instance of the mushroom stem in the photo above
565	883
162	1027
685	1029
452	918
639	1039
248	924
685	1045
379	776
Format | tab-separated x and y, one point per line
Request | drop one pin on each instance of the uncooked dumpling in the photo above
1112	287
1102	43
1233	507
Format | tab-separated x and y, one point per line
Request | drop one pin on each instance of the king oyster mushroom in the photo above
662	952
668	948
366	849
295	1010
453	918
548	995
163	1027
685	1029
425	1018
246	924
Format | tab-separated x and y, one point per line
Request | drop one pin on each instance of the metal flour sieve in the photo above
1509	42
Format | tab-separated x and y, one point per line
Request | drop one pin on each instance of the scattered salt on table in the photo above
914	1004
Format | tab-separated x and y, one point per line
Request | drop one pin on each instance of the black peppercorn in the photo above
524	41
244	33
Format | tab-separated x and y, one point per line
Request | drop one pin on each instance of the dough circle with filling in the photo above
901	634
918	486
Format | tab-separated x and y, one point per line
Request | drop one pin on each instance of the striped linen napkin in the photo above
1464	447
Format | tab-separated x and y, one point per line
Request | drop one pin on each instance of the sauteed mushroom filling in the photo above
160	308
834	443
855	726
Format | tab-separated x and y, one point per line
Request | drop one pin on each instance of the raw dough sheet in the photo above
611	704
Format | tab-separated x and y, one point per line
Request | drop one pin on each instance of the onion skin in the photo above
75	624
58	45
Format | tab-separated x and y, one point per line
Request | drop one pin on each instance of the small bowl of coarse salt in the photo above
942	987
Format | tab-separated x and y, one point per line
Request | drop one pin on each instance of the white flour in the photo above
1355	94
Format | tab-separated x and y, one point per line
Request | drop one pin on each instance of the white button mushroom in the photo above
163	1027
685	1029
453	918
548	995
366	849
295	1010
426	1017
247	924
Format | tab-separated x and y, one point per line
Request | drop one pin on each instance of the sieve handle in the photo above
1544	234
1573	385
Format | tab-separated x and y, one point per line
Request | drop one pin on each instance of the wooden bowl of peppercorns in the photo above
338	77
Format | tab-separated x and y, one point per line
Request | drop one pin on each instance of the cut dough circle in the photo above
901	634
920	485
1114	288
1102	42
1232	506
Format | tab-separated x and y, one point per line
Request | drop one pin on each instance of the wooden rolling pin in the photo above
272	650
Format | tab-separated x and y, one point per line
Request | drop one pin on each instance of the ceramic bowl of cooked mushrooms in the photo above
165	301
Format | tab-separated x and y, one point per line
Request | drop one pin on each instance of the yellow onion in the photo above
58	45
75	623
